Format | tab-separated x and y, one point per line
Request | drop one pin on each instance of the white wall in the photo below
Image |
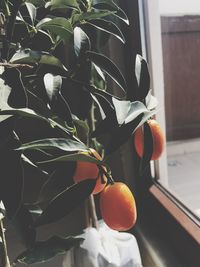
179	7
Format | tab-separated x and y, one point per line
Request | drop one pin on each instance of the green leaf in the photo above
28	56
109	27
151	101
51	60
63	144
23	112
110	5
81	41
66	201
45	250
23	222
52	85
29	113
58	104
142	77
91	15
82	128
107	66
32	11
59	26
127	111
37	3
81	156
57	4
106	107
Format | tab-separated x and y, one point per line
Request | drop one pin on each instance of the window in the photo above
175	65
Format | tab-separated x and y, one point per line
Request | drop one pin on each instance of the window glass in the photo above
180	36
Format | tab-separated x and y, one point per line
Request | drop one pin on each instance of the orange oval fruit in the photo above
158	140
117	206
88	170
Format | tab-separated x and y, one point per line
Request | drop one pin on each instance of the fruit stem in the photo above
108	175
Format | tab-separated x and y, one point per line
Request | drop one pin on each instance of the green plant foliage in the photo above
45	250
57	4
65	202
108	27
54	106
108	66
142	76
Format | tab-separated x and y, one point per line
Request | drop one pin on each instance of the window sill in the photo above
179	212
167	234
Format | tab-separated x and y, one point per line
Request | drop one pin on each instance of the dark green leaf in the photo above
99	71
105	106
66	201
81	41
146	115
57	4
61	108
37	2
59	26
148	148
29	56
29	113
38	105
23	112
6	130
63	144
40	41
142	76
18	96
12	180
110	5
32	11
109	27
120	135
75	157
59	180
34	178
108	66
23	222
45	250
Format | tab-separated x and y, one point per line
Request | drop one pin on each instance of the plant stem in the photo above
5	259
9	28
90	204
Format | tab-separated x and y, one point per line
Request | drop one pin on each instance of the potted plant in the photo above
54	106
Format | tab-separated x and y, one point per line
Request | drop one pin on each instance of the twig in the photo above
5	259
92	211
12	65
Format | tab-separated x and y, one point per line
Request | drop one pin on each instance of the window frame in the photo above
159	211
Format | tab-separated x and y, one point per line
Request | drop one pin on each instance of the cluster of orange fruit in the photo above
117	203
